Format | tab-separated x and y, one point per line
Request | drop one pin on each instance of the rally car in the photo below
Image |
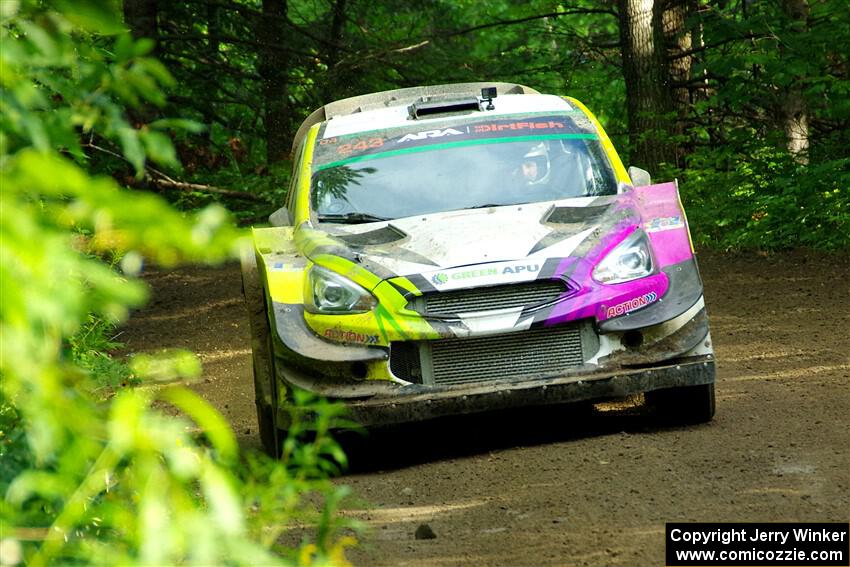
460	248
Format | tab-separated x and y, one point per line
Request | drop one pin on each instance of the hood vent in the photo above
384	235
576	215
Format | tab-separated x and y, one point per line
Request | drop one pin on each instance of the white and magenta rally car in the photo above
461	248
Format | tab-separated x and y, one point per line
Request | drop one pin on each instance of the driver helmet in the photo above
535	164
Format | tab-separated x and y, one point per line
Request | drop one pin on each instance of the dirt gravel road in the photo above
584	485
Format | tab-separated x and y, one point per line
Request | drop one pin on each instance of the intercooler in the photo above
538	352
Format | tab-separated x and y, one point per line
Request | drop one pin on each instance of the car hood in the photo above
443	241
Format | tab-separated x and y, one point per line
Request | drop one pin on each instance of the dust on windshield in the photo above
394	174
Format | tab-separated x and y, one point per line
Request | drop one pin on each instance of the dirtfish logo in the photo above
631	305
430	134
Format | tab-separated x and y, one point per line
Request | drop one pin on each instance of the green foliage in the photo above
743	187
74	82
310	455
767	200
91	472
377	46
90	348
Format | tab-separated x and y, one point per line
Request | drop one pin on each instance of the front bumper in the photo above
392	403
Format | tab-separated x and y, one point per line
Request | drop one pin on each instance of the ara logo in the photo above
439	279
430	134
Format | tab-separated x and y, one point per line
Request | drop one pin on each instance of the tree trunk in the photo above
213	30
274	70
649	103
336	35
140	17
336	84
794	112
702	90
678	40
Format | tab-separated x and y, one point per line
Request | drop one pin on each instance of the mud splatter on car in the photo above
443	251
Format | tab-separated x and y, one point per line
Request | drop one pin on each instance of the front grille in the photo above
521	354
490	298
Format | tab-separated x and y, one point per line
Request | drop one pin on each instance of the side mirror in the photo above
280	217
640	177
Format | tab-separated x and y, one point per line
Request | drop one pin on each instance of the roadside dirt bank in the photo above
583	485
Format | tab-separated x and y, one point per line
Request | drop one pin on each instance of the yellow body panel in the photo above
376	328
276	240
389	321
407	285
616	162
302	203
286	286
285	279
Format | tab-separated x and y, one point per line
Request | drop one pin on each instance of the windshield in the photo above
446	172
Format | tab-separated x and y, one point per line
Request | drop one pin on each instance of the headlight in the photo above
629	261
330	293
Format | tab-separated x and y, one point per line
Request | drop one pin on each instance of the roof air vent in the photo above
429	106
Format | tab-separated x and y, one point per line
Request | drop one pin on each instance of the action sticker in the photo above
631	305
337	334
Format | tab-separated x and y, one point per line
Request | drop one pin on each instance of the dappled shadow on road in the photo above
448	438
594	484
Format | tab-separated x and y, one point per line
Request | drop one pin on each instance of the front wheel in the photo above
270	436
261	354
683	405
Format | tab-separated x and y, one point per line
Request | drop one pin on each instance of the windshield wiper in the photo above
488	205
352	218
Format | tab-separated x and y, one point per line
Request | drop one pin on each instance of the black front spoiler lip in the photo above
416	403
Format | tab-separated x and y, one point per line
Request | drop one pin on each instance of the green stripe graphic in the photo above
458	144
448	122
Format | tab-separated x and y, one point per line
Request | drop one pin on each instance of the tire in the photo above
270	436
265	384
685	405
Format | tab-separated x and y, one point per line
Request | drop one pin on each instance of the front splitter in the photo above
417	403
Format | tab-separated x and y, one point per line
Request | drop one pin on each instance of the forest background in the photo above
746	102
148	131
